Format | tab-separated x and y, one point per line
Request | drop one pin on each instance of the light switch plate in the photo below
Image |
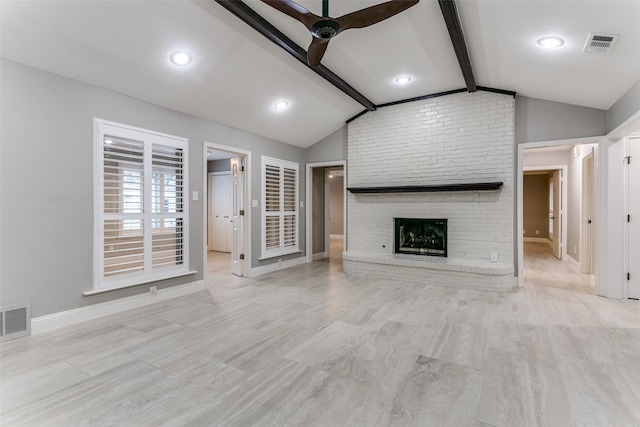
194	196
254	203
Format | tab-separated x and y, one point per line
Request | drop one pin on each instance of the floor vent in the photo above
15	321
600	43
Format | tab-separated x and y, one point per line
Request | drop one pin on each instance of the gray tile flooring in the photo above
310	346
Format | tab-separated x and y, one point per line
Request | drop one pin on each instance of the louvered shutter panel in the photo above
280	211
123	194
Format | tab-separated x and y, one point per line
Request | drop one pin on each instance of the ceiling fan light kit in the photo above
324	28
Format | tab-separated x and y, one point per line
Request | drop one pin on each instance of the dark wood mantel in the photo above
479	186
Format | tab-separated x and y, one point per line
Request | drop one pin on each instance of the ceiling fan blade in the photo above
295	11
316	51
374	14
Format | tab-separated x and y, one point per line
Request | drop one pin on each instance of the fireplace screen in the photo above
421	236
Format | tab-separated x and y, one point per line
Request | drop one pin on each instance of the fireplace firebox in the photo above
421	236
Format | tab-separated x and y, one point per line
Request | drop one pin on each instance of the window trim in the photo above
281	250
100	282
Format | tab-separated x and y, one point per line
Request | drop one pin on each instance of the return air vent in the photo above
15	321
600	43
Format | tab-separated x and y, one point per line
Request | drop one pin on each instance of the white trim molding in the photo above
77	315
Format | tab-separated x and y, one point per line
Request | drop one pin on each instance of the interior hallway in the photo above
311	346
547	274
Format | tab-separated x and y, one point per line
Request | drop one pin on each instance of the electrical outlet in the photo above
494	257
537	232
574	250
153	291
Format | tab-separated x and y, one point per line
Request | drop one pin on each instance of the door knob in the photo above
588	221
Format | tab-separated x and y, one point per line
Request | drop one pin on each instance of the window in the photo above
141	214
279	207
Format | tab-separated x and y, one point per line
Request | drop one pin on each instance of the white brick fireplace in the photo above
462	138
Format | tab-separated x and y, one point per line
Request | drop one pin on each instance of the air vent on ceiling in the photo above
15	321
600	43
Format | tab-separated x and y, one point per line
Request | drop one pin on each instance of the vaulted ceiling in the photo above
237	75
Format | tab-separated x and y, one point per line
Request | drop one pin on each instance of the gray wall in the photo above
46	177
336	205
222	165
625	107
540	120
333	147
317	213
535	192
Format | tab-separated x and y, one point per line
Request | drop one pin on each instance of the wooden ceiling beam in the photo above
264	27
450	14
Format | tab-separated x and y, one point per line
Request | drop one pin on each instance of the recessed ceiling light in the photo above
281	105
550	41
108	141
403	80
180	58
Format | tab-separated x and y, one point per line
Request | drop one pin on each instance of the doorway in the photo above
326	207
552	247
225	223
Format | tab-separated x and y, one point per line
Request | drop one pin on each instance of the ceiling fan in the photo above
324	28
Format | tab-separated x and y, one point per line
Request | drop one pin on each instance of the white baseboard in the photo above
71	317
319	255
270	268
336	236
536	239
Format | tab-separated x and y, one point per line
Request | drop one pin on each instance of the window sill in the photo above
138	283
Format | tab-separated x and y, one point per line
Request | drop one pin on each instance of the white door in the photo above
220	209
634	218
237	215
586	250
555	213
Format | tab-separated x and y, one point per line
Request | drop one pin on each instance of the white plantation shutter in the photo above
140	207
279	207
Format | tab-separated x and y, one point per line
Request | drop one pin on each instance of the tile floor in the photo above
308	346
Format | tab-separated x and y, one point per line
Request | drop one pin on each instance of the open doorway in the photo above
326	184
556	217
226	225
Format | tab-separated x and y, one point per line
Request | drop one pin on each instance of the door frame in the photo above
519	200
563	202
309	203
246	222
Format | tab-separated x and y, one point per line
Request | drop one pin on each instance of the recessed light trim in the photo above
403	80
551	42
281	105
180	58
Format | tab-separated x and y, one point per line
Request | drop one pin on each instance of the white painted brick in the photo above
466	137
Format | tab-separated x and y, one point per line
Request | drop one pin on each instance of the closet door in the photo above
220	212
634	218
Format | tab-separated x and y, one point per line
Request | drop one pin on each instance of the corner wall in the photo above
46	177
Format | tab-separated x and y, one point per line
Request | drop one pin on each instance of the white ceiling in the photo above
237	75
